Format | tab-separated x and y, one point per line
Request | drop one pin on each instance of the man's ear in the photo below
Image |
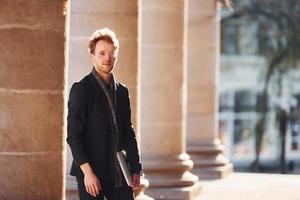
92	57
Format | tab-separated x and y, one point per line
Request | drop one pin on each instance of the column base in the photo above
169	171
139	194
170	177
209	161
177	193
213	172
143	196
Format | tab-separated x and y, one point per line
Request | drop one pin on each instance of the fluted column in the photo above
203	82
122	18
162	39
32	66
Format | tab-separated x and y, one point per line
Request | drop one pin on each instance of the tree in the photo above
279	42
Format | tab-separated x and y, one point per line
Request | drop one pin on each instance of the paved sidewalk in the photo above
246	186
250	186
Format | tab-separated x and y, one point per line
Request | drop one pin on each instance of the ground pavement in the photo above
251	186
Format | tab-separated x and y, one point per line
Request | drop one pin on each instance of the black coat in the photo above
89	117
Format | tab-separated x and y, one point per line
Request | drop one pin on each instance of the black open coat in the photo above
89	127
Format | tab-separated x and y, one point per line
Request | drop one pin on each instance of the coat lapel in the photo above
98	90
118	100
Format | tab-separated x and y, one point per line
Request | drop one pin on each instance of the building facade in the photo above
242	79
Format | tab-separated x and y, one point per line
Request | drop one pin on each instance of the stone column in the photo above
203	82
122	18
32	83
166	164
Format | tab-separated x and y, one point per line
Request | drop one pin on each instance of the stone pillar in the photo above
32	99
203	82
122	18
166	164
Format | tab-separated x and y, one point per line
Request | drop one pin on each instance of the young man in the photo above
99	125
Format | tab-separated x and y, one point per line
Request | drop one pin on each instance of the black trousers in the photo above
107	190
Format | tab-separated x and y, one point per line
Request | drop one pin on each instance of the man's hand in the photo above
91	181
92	184
135	181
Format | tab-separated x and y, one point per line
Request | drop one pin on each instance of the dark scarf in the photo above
113	164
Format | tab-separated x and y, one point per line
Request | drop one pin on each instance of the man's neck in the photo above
105	76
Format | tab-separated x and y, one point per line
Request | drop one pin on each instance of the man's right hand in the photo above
91	181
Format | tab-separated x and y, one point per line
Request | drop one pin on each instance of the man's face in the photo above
104	57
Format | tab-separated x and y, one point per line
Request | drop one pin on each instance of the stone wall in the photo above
32	67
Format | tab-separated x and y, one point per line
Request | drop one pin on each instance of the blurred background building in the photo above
257	57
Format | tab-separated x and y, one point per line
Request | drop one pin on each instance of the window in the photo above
245	101
229	39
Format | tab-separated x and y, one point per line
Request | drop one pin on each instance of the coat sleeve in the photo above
129	140
77	108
